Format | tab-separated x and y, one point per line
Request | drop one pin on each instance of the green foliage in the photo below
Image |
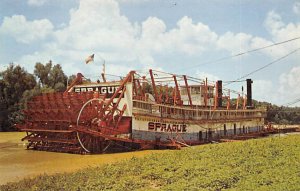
43	72
71	79
3	107
262	164
15	81
49	76
275	114
58	79
59	87
17	86
283	115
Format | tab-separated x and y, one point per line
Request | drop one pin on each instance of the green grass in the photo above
262	164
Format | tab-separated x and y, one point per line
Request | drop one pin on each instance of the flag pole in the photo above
104	67
103	71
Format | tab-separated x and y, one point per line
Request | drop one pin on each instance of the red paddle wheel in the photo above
86	122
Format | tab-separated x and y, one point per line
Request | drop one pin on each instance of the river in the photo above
17	163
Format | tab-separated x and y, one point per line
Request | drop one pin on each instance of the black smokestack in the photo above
249	93
220	93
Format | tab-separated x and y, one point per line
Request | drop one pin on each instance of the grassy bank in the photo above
264	164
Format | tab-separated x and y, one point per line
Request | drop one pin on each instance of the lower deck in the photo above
151	128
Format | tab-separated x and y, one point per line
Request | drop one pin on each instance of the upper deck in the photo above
172	97
195	113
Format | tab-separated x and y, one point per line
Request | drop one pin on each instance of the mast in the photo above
103	72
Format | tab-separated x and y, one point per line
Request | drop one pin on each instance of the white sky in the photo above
173	36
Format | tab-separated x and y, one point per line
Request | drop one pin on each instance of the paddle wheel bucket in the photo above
84	122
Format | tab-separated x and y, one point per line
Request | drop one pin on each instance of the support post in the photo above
135	87
216	96
237	102
153	85
244	104
177	93
188	90
140	88
205	93
228	100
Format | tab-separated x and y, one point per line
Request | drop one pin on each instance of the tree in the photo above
43	72
15	81
17	87
3	106
57	78
71	79
49	76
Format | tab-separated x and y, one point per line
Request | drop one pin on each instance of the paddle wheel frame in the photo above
85	122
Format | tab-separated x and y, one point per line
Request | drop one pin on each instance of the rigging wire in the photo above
292	102
265	66
241	53
233	81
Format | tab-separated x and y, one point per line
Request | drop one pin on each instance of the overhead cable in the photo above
242	53
265	66
292	102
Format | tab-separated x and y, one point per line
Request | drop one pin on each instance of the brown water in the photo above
17	163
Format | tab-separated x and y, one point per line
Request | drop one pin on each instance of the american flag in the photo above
89	59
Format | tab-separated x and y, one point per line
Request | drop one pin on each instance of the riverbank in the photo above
260	164
17	163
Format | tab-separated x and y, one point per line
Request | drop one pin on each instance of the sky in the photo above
176	36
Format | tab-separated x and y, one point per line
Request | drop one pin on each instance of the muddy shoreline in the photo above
17	163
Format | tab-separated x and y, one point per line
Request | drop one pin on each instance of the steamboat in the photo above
157	110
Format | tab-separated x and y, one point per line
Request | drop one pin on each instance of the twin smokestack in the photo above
249	93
